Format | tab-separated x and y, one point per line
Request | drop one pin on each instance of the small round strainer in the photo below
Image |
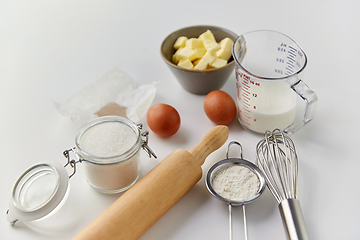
232	190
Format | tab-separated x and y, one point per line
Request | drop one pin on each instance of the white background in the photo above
49	50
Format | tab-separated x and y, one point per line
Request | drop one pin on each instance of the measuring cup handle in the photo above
310	98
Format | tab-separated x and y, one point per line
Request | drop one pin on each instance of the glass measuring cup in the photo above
219	167
269	67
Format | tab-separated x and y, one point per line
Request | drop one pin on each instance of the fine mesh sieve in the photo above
238	162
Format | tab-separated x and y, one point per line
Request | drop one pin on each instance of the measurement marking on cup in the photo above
246	121
246	97
292	54
292	51
247	116
246	102
248	93
289	64
291	59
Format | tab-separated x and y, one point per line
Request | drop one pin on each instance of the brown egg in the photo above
163	119
220	107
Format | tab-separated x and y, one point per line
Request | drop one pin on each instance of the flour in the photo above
235	182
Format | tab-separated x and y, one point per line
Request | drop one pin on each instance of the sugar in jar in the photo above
109	147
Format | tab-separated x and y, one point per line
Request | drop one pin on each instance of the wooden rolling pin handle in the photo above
213	140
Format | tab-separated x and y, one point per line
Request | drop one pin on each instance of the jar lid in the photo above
37	192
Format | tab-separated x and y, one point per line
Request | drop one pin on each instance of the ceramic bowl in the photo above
198	81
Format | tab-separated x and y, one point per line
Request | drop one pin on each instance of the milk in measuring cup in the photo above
266	105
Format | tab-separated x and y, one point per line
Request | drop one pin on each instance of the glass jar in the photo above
38	195
109	147
41	191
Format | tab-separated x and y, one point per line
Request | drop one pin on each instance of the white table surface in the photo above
49	50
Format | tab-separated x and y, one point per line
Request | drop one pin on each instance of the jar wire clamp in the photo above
70	161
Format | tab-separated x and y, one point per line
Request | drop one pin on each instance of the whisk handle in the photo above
293	220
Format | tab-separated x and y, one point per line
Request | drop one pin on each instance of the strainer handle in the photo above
230	222
245	224
293	220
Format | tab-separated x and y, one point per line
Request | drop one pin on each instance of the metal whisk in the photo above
276	157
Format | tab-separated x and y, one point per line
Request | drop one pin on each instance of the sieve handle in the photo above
230	223
293	220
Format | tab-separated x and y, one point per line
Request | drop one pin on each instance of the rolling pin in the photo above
132	214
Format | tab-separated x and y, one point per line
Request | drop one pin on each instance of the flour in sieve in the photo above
235	182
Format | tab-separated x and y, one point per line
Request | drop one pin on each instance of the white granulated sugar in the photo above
235	182
108	139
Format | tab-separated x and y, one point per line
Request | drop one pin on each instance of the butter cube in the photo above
225	51
186	64
185	53
226	43
212	47
194	43
207	36
180	42
199	53
205	61
175	57
195	62
218	62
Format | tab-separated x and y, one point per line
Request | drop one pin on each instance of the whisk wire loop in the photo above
284	163
276	157
264	160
